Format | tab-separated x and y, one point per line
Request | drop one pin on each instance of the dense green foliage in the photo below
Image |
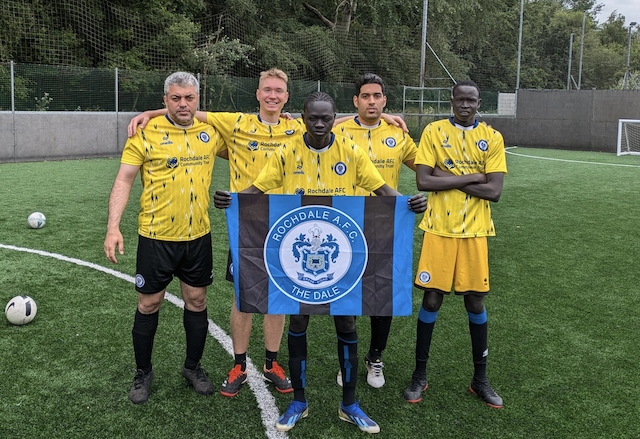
327	40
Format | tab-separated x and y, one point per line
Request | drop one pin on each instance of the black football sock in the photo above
424	332
241	359
380	327
478	331
348	357
297	343
143	333
195	327
270	357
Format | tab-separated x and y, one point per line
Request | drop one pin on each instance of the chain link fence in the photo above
37	87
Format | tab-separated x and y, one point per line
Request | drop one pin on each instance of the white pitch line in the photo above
508	151
266	401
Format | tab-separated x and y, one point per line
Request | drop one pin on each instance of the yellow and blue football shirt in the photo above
336	169
250	143
175	169
388	148
479	149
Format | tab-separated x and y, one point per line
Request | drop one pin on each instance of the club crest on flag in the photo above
337	255
315	254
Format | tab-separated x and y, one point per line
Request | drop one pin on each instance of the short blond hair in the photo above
273	73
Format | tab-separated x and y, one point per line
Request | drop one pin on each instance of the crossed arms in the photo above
485	186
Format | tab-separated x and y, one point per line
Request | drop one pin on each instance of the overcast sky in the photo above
629	8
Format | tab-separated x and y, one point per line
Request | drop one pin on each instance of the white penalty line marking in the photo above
508	151
266	401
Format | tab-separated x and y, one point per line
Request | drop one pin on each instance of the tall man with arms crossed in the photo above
307	165
388	147
174	157
250	139
461	162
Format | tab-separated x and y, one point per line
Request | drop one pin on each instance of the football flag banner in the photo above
299	254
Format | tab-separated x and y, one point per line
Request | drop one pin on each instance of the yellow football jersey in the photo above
250	143
335	170
175	169
388	148
460	151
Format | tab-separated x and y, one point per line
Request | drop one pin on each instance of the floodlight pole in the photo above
570	54
584	17
423	58
519	45
627	72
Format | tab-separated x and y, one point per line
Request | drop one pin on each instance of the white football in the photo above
36	220
21	310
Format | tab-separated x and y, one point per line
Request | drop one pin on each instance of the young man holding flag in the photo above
307	165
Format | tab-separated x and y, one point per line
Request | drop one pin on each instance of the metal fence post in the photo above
13	108
115	74
13	90
116	88
199	89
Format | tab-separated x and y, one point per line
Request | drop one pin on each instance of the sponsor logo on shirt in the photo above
165	140
172	162
448	163
445	142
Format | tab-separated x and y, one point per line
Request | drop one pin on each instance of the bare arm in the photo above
417	203
117	203
143	119
390	119
224	154
491	190
395	121
386	190
410	164
430	179
342	119
222	199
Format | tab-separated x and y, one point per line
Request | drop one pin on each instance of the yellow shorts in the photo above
461	263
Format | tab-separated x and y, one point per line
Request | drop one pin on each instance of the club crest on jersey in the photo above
140	281
390	142
315	254
204	137
340	168
252	145
172	162
448	163
424	277
483	145
290	132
